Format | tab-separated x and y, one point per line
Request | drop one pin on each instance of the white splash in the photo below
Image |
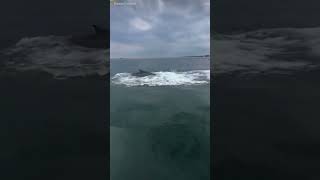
266	50
197	77
56	55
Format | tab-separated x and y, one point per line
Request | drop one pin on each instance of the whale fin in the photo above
99	30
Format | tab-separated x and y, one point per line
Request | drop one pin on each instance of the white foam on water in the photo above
196	77
56	55
279	50
267	50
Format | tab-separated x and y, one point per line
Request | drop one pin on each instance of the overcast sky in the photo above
160	28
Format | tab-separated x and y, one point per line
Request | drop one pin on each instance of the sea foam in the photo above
196	77
56	55
282	50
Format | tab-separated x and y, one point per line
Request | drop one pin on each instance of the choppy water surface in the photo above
160	126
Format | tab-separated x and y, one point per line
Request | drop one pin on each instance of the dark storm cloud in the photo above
160	28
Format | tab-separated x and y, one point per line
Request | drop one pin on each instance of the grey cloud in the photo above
161	28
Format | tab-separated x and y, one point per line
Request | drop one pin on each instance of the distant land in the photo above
207	55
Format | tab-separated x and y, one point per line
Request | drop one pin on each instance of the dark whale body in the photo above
100	39
142	73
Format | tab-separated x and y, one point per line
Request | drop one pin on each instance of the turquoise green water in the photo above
160	133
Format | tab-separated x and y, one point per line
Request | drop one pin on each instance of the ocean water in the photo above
160	125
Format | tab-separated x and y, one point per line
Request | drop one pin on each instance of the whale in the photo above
99	38
142	73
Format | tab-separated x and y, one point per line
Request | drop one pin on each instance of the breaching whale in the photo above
142	73
99	39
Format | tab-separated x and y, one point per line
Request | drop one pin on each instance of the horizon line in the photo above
205	55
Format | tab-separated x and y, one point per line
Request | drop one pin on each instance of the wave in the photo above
56	55
281	50
196	77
